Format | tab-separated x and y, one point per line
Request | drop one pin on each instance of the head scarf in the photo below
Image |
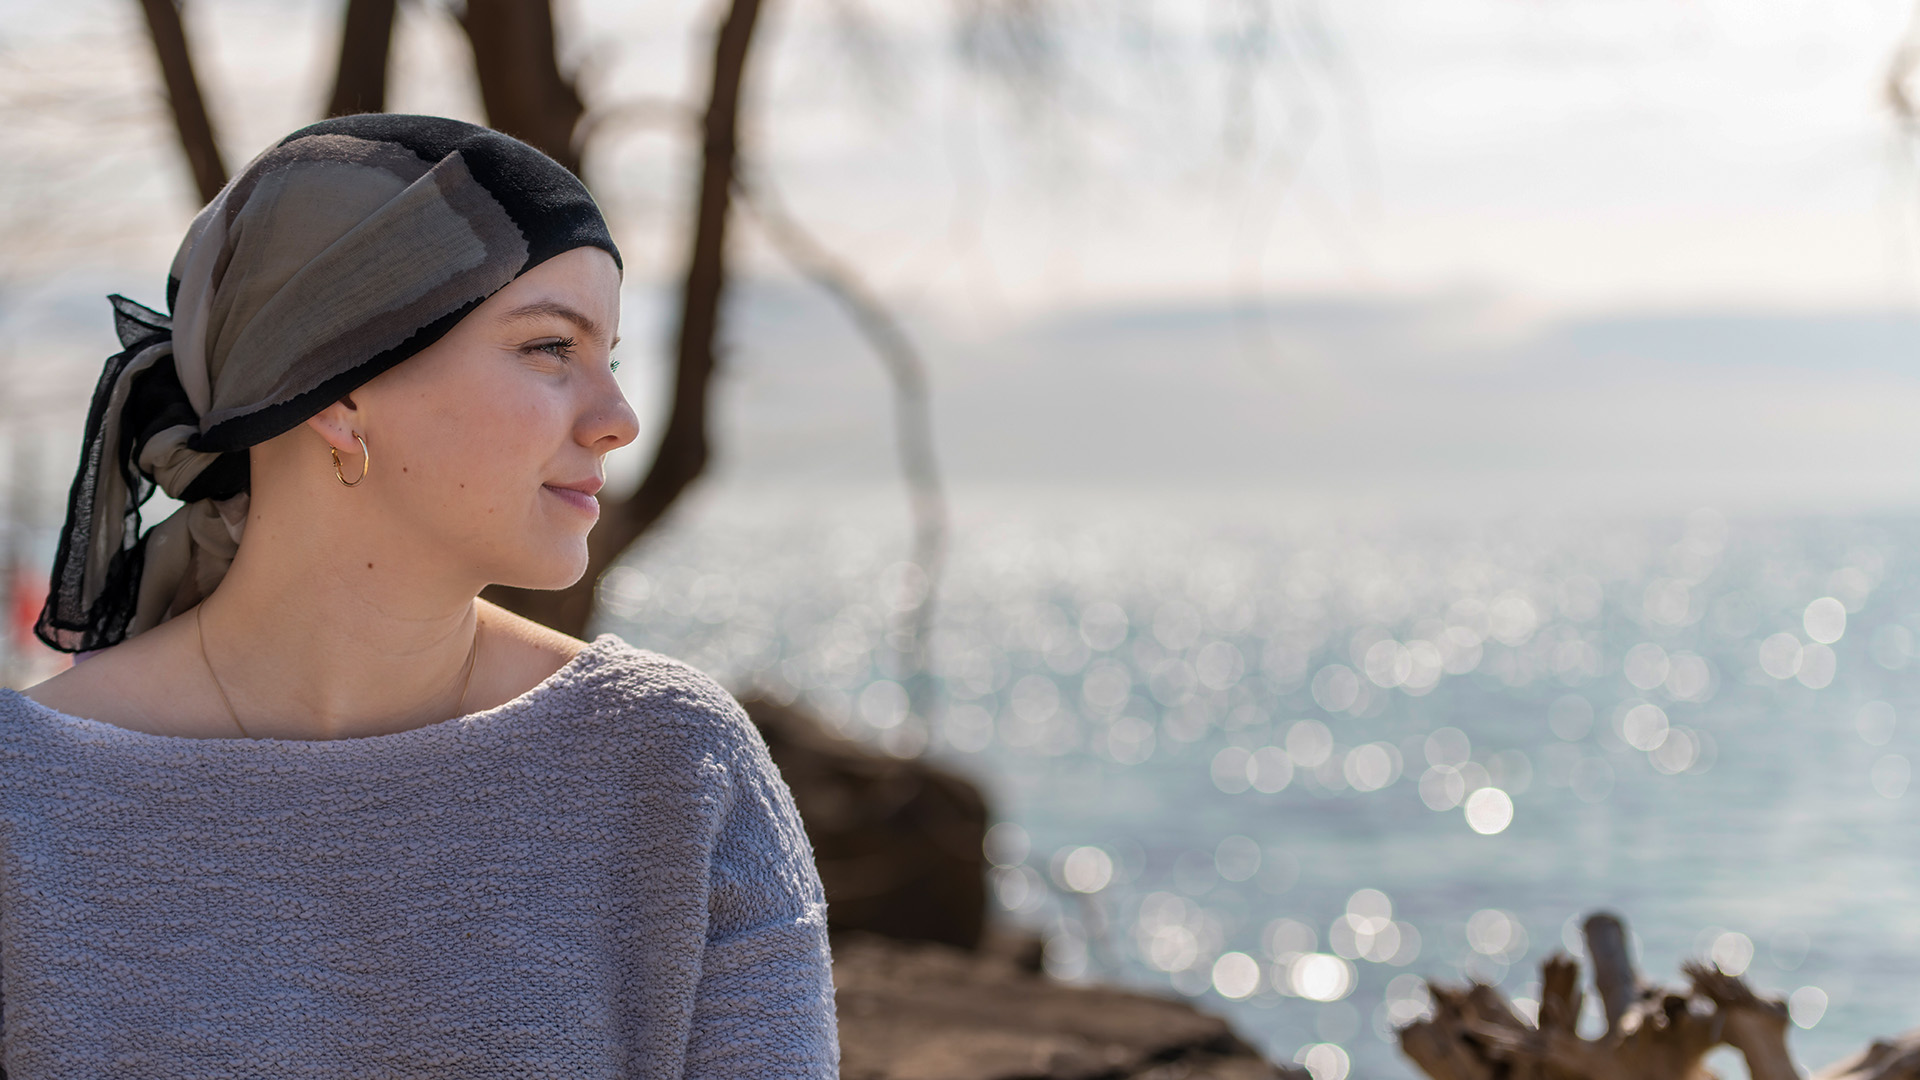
339	252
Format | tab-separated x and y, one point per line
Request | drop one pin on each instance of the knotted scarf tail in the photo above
90	606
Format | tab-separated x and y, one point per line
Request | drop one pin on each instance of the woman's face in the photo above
488	445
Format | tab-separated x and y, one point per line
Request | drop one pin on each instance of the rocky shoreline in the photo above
926	989
921	1011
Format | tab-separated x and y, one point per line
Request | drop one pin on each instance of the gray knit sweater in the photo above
604	877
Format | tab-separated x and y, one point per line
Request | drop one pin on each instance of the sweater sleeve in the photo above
764	1006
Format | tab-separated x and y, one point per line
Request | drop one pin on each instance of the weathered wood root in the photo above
1882	1060
1755	1026
1652	1033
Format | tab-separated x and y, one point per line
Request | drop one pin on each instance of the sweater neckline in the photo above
453	724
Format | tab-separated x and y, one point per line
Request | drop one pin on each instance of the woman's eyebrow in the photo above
545	308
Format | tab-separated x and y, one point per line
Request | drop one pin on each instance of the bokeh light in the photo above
1807	1006
1236	975
1195	791
1086	870
1489	811
1324	1061
1732	953
1825	620
1321	977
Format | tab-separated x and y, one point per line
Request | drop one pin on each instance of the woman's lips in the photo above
579	500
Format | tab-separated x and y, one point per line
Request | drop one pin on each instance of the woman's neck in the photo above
330	623
321	637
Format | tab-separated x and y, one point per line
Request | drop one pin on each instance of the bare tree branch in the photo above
1017	41
1905	60
183	93
913	415
684	447
869	54
601	120
366	40
525	93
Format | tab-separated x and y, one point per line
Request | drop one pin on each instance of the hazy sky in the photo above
1574	153
1585	248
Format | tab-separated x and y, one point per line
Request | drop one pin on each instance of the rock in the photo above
897	842
913	1011
926	990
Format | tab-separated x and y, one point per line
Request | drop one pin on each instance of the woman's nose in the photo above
610	422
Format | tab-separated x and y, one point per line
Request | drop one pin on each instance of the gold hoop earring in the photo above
366	460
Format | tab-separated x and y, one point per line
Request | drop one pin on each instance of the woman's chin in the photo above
557	569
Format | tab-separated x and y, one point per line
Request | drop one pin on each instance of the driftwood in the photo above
1653	1033
1896	1060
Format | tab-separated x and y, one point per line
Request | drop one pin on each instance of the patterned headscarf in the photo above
339	252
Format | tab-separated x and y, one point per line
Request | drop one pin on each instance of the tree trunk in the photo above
366	39
183	94
521	84
683	451
527	96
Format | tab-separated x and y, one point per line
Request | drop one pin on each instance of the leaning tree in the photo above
1279	71
526	93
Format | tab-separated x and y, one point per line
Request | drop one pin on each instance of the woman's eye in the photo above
561	348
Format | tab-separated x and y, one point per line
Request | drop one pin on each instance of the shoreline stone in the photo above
927	990
922	1011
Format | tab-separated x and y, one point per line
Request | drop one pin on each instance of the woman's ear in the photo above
337	423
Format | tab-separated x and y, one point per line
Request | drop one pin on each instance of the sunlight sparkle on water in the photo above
1818	665
1780	655
1324	1061
1732	952
1647	665
1007	844
1644	727
1236	975
1199	737
1498	934
1875	723
1825	620
1086	870
1489	811
1807	1006
1237	858
1320	977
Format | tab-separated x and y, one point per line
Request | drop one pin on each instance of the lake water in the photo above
1290	765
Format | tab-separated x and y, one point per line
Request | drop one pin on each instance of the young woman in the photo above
312	808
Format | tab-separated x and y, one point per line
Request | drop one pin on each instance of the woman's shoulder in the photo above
138	684
667	700
666	692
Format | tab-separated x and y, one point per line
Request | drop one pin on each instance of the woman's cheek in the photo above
526	405
528	428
